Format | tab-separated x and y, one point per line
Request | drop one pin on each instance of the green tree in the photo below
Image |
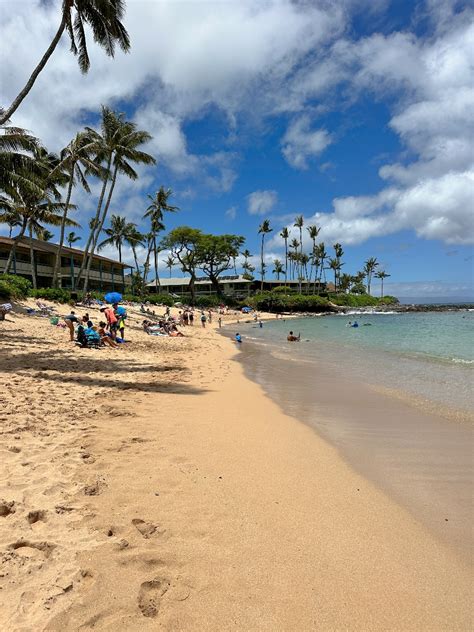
45	235
215	254
116	147
263	229
155	212
381	274
18	165
335	265
285	234
299	222
76	161
169	263
278	268
134	238
294	256
313	232
183	243
369	268
12	219
116	234
103	17
72	238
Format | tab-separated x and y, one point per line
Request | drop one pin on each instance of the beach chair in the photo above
4	309
44	309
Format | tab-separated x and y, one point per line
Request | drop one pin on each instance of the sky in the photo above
357	114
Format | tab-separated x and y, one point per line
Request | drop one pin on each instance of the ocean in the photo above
394	396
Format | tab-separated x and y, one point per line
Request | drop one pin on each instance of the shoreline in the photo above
190	501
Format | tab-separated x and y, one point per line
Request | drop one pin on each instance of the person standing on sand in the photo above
111	318
191	318
210	316
203	320
219	320
70	320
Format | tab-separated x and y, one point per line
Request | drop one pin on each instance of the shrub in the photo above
278	302
131	298
160	299
209	301
14	286
353	300
52	294
388	300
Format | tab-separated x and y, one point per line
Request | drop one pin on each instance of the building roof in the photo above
165	282
46	246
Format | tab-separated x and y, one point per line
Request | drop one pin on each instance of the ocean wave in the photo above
367	312
461	361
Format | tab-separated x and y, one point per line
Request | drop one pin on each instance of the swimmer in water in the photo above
238	338
292	338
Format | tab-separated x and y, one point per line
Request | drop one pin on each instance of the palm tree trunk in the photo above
155	257
286	260
135	258
57	264
99	228
96	220
6	114
14	246
300	274
261	263
381	291
32	261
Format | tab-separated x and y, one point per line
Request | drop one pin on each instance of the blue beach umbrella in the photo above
113	297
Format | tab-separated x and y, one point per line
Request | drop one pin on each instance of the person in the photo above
109	313
219	320
260	324
91	334
355	324
191	318
70	320
104	337
238	338
186	318
349	324
167	311
209	316
292	338
203	319
86	318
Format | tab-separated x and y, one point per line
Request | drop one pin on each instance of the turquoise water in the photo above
443	336
427	354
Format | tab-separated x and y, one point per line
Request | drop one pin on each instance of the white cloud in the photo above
261	202
231	213
300	142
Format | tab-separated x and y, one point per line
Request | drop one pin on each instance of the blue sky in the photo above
356	114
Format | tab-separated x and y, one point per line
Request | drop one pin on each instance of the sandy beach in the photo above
155	487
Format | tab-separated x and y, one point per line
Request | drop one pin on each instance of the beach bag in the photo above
54	320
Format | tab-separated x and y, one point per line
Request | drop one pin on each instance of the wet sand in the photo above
419	453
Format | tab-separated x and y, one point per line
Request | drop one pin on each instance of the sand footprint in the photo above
145	528
150	594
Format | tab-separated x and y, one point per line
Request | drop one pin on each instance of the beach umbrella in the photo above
113	297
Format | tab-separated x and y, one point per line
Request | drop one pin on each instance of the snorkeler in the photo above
292	338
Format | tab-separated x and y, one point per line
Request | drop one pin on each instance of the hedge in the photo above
13	286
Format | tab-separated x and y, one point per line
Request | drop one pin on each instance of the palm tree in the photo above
304	260
117	147
116	234
335	265
169	263
345	281
295	244
13	219
299	222
263	230
285	234
17	163
134	238
155	211
313	231
381	274
75	158
45	235
72	238
103	17
369	269
278	269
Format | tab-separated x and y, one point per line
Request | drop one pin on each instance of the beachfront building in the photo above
106	274
235	285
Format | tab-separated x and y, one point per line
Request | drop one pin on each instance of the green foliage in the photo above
208	301
160	299
278	302
388	300
284	289
13	286
358	288
52	294
354	300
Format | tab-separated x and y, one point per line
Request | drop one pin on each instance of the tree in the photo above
45	235
18	167
313	232
155	212
299	222
381	274
304	260
285	234
116	234
294	257
169	263
183	242
369	269
103	17
72	238
278	269
215	254
263	229
116	147
134	238
75	161
13	219
345	281
335	265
